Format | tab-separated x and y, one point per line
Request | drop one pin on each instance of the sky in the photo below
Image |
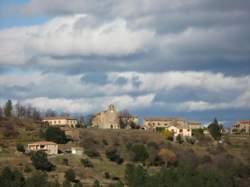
165	58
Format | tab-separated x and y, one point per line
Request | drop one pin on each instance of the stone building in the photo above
158	123
48	147
108	119
242	126
61	121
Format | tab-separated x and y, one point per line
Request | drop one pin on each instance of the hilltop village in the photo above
99	151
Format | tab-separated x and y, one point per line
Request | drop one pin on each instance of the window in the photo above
180	130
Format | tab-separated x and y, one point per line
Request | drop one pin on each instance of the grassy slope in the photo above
93	138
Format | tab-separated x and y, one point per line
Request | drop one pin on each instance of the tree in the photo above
38	179
215	129
70	175
55	134
8	109
96	184
40	161
179	139
20	147
135	175
167	134
1	112
114	156
11	178
168	156
140	152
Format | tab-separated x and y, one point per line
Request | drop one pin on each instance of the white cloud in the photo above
139	90
89	105
65	36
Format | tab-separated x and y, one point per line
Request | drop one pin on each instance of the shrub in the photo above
118	184
20	148
140	152
168	156
55	134
113	155
27	169
87	163
105	142
179	139
11	178
215	129
65	162
168	135
198	133
92	153
96	184
70	175
135	175
106	175
40	161
190	140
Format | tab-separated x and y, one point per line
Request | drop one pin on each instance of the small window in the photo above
180	130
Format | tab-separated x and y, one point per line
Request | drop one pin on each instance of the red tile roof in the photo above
244	121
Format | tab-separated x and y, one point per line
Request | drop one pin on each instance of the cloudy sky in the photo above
153	57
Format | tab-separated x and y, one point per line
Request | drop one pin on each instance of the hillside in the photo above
233	154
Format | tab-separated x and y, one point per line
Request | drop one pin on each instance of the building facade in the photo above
158	123
108	119
48	147
61	121
242	126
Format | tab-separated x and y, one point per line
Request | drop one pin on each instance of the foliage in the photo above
96	184
135	175
11	178
55	134
140	152
40	161
167	134
87	163
215	129
70	175
168	156
92	153
114	156
8	109
190	140
179	139
198	133
118	184
9	131
20	147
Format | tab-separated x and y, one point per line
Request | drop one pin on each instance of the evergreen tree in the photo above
40	161
55	134
215	129
8	109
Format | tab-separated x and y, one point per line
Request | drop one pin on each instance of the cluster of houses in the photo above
111	119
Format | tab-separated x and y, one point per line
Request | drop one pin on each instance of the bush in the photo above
40	161
113	155
135	176
190	140
11	178
65	162
198	133
105	142
92	153
27	169
70	175
167	135
215	129
87	163
55	134
96	184
140	152
168	156
20	148
106	175
179	139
